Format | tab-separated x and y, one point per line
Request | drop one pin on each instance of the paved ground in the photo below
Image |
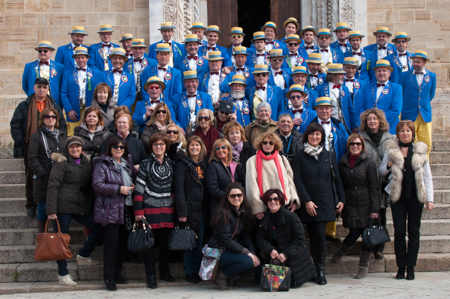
378	285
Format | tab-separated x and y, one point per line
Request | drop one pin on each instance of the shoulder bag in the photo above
52	246
375	234
141	239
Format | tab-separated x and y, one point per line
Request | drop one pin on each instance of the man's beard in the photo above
237	94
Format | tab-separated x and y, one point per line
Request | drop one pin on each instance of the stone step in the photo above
12	177
11	164
440	169
438	137
439	157
440	145
442	196
12	190
441	182
12	205
440	211
6	153
27	236
21	220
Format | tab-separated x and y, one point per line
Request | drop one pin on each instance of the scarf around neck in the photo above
313	151
236	149
125	171
33	113
375	137
211	136
259	171
160	127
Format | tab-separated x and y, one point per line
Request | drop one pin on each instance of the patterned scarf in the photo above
53	135
313	151
33	113
236	149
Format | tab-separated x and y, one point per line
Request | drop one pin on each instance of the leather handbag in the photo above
182	239
52	246
141	239
375	234
275	278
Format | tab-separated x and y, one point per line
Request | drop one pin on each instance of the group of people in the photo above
243	146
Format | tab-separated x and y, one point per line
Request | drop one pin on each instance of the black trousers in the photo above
29	179
402	210
317	240
114	251
161	238
382	220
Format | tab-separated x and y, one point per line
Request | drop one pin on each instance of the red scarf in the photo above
211	136
259	165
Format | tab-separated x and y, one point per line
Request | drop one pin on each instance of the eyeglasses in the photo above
121	147
401	41
175	132
295	97
240	195
273	199
267	142
292	44
220	147
224	113
44	51
236	36
154	87
358	144
204	118
50	116
158	144
276	59
261	74
161	111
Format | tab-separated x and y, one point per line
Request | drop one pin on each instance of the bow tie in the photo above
260	87
81	69
309	48
325	122
279	73
418	73
192	57
43	62
105	45
336	86
137	59
211	48
269	42
356	53
321	50
404	54
297	111
342	45
290	55
349	80
381	48
381	85
154	102
129	54
117	71
258	55
214	73
162	68
192	95
240	69
312	75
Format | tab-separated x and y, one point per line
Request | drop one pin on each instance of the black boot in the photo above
151	281
401	273
111	285
320	269
409	273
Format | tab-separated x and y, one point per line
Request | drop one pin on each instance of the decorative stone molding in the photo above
347	12
174	12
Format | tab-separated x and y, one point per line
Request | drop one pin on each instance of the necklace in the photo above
263	127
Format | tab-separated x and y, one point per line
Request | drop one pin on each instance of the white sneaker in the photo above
66	280
86	261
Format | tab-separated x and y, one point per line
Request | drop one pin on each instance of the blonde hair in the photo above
212	119
218	142
153	117
203	152
277	143
181	139
384	125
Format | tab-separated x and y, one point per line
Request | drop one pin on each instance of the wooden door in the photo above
223	13
281	11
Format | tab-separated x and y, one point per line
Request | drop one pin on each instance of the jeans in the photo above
162	237
42	211
232	264
193	259
317	240
402	210
114	251
382	219
89	245
353	235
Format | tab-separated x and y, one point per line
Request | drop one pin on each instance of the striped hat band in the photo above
190	75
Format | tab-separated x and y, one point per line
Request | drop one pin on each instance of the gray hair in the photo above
285	115
263	105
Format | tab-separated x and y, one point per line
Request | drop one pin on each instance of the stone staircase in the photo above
18	234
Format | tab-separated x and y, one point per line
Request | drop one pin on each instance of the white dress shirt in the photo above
343	48
313	80
261	59
240	72
269	47
193	63
293	59
263	93
382	52
357	56
161	73
82	84
419	77
325	55
137	69
192	101
380	89
327	129
297	114
404	61
349	84
309	50
212	79
334	96
209	50
278	79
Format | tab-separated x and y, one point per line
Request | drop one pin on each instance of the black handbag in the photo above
375	234
128	218
141	239
182	239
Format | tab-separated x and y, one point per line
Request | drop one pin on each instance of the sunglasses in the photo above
153	87
267	142
224	113
205	118
276	59
240	195
161	111
358	144
50	116
273	199
400	41
121	147
175	132
43	51
221	147
292	44
158	144
236	36
263	74
295	97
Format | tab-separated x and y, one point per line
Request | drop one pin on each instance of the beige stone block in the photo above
445	28
92	20
432	4
409	4
438	15
139	19
121	6
123	18
141	4
444	4
2	20
4	34
377	5
79	19
407	16
422	15
79	5
22	33
7	61
442	55
34	6
436	43
377	17
14	6
101	5
47	19
125	29
57	5
2	6
19	62
63	19
142	32
107	18
12	20
393	16
29	19
417	29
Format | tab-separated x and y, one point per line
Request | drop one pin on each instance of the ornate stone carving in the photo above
347	12
174	12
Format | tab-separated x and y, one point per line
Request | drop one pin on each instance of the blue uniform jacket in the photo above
172	79
248	74
417	98
274	98
373	48
276	45
397	66
345	101
287	81
390	101
141	108
127	87
70	90
96	60
321	80
181	107
336	55
336	46
176	47
311	96
357	86
223	82
300	61
145	63
252	60
182	64
203	50
31	72
365	71
64	56
230	51
243	116
304	53
340	137
307	116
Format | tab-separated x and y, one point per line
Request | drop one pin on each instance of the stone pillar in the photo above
156	17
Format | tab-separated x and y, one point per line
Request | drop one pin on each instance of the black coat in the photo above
290	240
190	191
222	233
40	163
91	147
247	151
313	181
295	147
135	147
361	191
19	123
217	180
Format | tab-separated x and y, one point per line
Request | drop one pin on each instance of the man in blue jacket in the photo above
365	59
260	55
291	26
240	67
342	31
300	76
294	57
382	47
383	94
329	55
176	49
316	77
212	34
401	60
236	38
302	116
100	52
308	34
44	68
419	86
64	53
199	29
241	105
353	84
279	76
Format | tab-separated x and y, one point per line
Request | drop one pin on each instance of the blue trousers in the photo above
232	264
193	259
89	245
42	211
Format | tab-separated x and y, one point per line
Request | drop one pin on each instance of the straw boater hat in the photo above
126	36
155	79
342	26
213	28
197	25
80	51
421	54
314	58
138	43
118	52
192	38
383	63
401	35
323	101
44	44
270	25
351	61
335	68
300	70
355	33
162	47
261	69
241	50
292	20
293	37
308	28
166	25
384	30
105	28
297	88
276	53
215	55
78	30
237	31
324	32
190	75
238	79
258	35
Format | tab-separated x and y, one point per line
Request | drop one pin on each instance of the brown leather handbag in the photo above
52	246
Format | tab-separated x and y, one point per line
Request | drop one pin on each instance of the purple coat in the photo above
106	181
